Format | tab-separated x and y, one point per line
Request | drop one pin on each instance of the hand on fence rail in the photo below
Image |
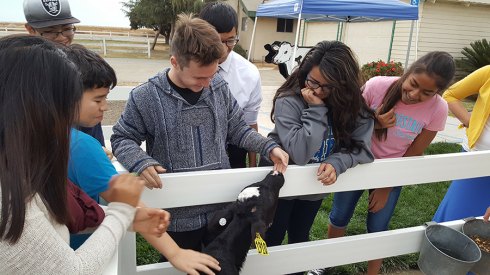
150	175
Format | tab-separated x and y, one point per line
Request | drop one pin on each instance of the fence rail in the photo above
136	43
186	189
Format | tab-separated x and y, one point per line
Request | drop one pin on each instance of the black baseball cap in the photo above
47	13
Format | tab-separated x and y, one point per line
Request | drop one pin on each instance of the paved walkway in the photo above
131	72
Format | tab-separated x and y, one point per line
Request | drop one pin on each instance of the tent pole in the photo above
252	41
295	42
409	46
338	29
341	31
391	41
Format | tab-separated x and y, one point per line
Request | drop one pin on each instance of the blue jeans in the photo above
344	204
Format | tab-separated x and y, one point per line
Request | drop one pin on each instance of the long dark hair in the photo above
39	95
340	68
437	65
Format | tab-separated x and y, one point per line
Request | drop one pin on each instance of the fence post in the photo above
110	34
104	46
91	36
149	50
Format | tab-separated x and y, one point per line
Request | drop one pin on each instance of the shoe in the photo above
318	271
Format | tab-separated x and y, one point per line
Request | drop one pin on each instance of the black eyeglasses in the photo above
231	42
326	88
54	35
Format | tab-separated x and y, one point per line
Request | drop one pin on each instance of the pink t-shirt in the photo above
410	119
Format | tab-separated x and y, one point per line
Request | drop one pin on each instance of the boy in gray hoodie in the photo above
186	114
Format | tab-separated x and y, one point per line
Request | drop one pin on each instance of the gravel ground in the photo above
115	109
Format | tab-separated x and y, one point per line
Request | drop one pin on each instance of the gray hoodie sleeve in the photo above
344	159
242	135
300	130
129	132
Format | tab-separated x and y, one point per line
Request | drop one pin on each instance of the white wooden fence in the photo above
105	41
195	188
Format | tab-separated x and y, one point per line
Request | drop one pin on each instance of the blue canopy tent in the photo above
336	10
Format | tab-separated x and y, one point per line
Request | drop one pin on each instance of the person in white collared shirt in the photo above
242	76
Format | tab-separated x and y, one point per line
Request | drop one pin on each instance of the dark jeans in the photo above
295	216
187	240
237	156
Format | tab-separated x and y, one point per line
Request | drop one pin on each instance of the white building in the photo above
447	25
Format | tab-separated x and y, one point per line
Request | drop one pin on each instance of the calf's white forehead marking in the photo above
248	193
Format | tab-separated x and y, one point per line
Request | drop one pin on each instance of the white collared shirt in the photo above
243	79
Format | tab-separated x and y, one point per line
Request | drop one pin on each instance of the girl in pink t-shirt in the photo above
409	113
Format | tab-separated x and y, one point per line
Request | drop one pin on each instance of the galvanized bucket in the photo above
445	251
475	227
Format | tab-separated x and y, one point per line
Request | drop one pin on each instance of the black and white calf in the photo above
231	230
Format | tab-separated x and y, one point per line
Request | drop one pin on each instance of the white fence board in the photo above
184	189
194	188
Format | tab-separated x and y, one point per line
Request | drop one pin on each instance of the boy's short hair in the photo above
194	39
94	70
221	15
43	14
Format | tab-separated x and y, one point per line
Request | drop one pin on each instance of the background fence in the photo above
105	42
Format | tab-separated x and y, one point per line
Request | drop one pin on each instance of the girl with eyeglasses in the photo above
409	113
320	117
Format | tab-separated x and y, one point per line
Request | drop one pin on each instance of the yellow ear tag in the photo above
260	245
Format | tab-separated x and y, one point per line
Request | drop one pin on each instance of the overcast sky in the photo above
89	12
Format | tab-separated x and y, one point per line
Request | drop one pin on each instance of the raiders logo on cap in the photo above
52	7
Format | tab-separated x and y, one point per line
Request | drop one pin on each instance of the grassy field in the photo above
416	205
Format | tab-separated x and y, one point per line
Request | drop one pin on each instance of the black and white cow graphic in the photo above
280	53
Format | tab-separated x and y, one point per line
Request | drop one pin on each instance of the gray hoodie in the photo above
183	137
300	129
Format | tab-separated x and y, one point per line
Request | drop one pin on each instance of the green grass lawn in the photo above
416	205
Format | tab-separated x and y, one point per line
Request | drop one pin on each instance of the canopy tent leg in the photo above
391	40
252	41
295	43
409	46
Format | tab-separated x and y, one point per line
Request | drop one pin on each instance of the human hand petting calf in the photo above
280	159
192	262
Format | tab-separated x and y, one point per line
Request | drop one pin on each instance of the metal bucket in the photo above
447	251
482	229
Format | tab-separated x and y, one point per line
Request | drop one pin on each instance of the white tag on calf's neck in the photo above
248	193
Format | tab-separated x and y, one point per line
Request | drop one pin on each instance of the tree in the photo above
159	15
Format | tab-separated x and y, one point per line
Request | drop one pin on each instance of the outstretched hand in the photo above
192	262
151	221
280	159
385	120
